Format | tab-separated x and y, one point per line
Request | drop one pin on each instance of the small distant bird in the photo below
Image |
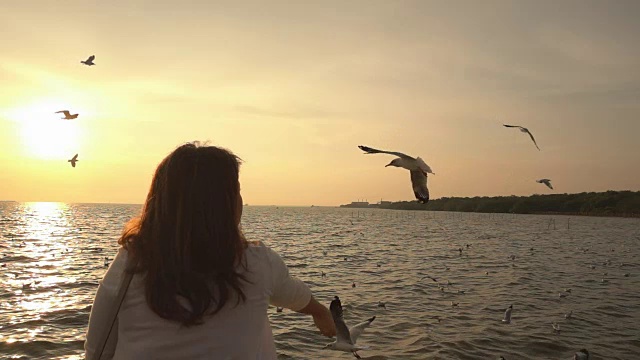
416	166
460	250
67	115
382	305
27	286
556	327
593	267
279	309
346	338
526	131
378	264
73	160
507	315
454	304
460	291
430	277
486	273
582	354
627	274
89	61
546	182
324	252
512	257
562	295
567	290
568	315
323	274
353	285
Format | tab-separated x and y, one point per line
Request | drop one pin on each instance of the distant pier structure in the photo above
360	204
357	204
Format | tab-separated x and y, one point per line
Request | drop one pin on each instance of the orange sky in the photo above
294	87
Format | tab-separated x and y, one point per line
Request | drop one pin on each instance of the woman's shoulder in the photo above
257	247
117	265
260	250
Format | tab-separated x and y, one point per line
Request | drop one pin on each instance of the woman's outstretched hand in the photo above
321	317
324	322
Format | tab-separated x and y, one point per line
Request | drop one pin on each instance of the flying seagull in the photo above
74	160
507	315
524	130
346	338
430	277
582	354
67	115
89	61
546	182
416	166
568	315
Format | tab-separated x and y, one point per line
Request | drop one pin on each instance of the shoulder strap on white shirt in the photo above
113	314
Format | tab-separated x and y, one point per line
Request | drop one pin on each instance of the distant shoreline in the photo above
603	204
626	216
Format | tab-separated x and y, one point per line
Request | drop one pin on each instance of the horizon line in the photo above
313	205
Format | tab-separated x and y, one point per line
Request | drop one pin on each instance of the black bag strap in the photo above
113	315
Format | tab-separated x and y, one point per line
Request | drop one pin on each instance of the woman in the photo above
199	290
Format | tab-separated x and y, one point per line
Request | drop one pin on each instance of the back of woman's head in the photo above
187	241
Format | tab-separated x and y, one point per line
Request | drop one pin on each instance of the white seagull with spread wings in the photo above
524	130
346	338
416	166
546	182
89	61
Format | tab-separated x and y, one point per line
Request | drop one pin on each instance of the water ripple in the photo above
52	256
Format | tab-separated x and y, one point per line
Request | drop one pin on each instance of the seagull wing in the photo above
423	165
91	58
513	126
419	184
342	331
358	329
533	139
65	112
507	314
548	183
369	150
75	157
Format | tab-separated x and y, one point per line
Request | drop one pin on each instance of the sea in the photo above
52	256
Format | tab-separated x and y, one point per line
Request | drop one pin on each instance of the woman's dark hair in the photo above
187	241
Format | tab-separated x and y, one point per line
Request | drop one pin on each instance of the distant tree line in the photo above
610	203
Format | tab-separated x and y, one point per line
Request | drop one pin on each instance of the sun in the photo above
44	134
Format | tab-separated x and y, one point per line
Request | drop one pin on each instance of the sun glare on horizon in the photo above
43	133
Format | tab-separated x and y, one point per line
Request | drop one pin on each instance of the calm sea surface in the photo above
60	248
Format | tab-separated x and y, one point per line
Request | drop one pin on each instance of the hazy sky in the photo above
293	87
